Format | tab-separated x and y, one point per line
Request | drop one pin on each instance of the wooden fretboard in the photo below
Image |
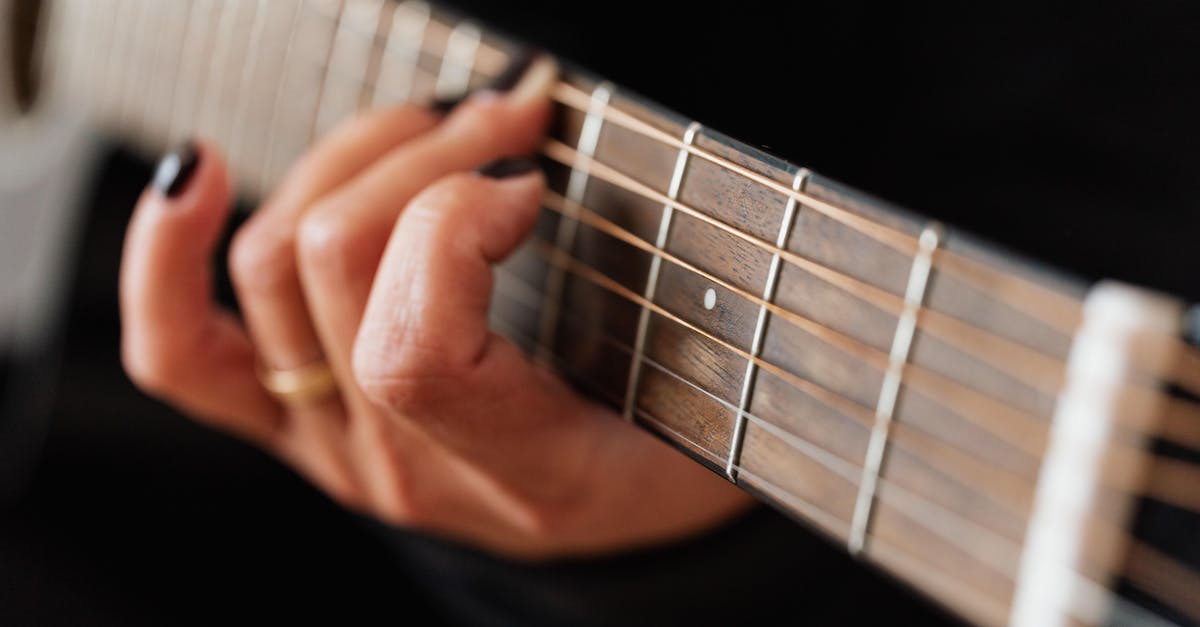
887	381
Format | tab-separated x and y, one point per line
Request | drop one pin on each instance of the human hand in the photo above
372	261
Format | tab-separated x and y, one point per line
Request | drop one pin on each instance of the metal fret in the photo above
660	242
334	26
250	74
383	32
589	137
401	56
458	62
799	182
353	45
189	70
906	326
266	169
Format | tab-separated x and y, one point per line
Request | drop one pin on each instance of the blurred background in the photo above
1065	131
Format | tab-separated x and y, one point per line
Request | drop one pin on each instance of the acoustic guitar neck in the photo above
973	423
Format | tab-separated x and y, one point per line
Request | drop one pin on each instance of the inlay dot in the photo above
710	298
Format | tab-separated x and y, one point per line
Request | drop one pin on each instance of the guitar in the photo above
980	426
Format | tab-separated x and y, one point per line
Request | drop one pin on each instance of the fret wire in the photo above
664	230
179	122
165	88
415	16
889	492
250	71
458	62
129	95
993	550
873	295
269	151
760	327
1058	310
890	389
1027	445
118	43
383	31
1026	364
1044	373
209	118
852	347
589	137
335	27
860	418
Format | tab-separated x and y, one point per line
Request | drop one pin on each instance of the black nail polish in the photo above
508	168
175	169
445	105
517	67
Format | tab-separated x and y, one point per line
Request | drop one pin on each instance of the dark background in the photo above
1067	131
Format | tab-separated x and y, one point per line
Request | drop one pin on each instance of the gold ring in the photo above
306	384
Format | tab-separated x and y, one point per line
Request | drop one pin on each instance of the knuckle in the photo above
325	237
486	120
158	373
261	259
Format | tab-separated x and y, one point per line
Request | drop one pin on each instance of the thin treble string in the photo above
1175	479
1027	364
999	554
1017	428
1033	430
1173	487
572	158
1027	368
847	470
1060	311
1001	550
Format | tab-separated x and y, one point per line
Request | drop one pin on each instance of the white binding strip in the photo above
458	63
799	182
660	242
906	326
564	240
1048	590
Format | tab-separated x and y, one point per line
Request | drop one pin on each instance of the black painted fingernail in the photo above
175	169
444	105
508	168
511	75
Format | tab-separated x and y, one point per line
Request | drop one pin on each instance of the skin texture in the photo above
375	254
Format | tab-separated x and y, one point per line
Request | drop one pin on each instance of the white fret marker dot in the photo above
710	298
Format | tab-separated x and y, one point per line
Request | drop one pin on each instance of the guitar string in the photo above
1041	371
1029	446
1181	481
1061	311
1175	489
905	443
1013	426
999	555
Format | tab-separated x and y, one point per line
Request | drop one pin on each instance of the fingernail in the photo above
530	77
508	168
445	105
512	74
175	169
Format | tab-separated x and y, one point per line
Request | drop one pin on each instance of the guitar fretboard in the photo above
880	377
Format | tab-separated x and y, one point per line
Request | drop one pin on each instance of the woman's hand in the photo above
374	257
